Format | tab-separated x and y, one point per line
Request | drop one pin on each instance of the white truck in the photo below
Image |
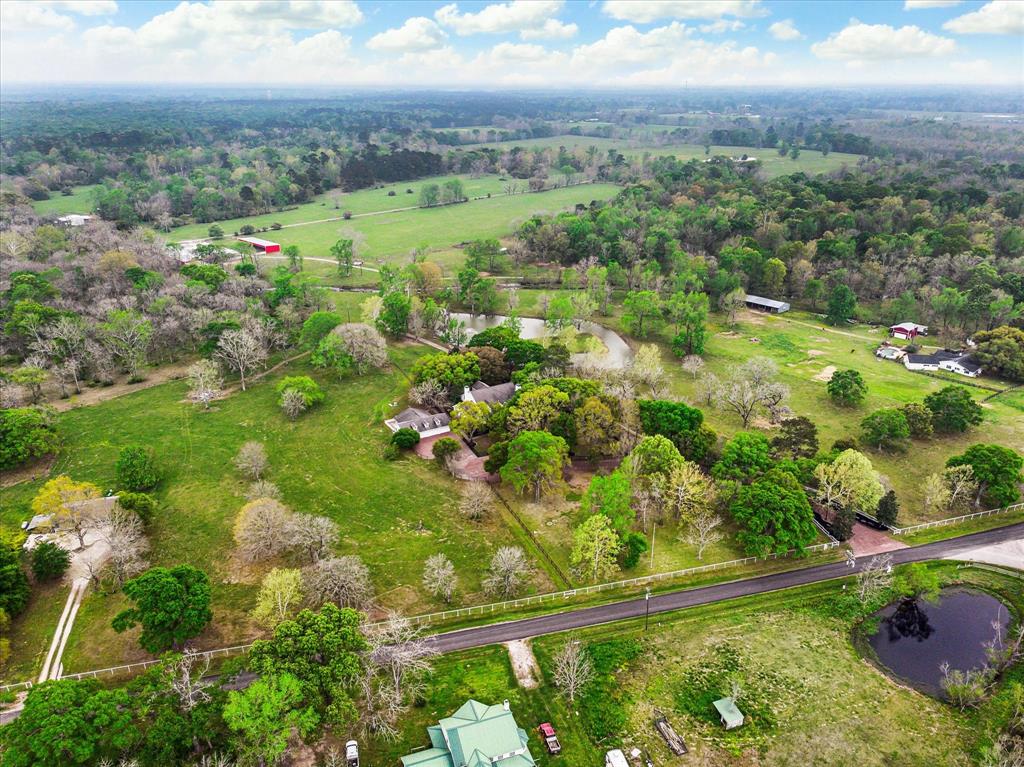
351	754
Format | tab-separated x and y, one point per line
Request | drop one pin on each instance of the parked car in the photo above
615	758
351	754
547	732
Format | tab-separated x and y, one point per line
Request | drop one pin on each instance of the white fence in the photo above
954	520
220	652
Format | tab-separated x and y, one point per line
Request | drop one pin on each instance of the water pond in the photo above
915	637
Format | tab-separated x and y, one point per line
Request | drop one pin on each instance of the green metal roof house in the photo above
477	735
731	716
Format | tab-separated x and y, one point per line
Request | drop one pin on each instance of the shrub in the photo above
49	561
347	215
215	232
634	544
405	438
391	452
275	226
26	433
444	448
14	588
304	385
246	229
136	469
142	504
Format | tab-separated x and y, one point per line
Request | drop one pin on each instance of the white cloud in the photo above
975	68
25	16
523	16
913	5
785	31
84	7
1000	17
880	41
553	29
416	34
646	11
722	25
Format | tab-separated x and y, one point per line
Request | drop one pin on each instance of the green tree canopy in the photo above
14	588
797	438
535	460
847	388
842	303
1001	351
885	429
453	371
25	434
595	548
744	458
610	495
266	714
997	469
316	327
171	605
775	515
655	454
954	410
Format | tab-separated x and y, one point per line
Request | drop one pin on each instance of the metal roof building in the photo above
766	304
260	244
477	735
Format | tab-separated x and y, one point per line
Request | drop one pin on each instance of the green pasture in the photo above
79	201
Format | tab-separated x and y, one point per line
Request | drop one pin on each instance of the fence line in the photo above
954	520
128	667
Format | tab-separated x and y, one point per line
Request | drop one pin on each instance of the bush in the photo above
316	327
405	438
247	229
634	544
49	561
14	588
215	232
26	433
142	504
347	215
444	448
136	469
275	226
304	385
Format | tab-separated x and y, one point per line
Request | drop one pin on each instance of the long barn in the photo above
766	304
265	246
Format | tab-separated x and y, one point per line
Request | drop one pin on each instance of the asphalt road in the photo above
677	600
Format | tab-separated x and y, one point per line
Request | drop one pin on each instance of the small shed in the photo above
731	716
763	304
908	330
264	246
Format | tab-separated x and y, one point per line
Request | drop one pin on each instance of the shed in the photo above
731	716
908	330
763	304
265	246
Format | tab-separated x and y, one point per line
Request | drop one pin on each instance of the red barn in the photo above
264	246
908	330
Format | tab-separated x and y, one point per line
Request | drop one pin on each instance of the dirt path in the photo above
524	664
847	333
94	396
304	258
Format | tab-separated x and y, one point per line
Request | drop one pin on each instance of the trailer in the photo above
676	744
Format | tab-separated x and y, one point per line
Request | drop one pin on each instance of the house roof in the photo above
474	736
726	708
420	420
967	362
259	242
908	326
934	358
762	301
499	393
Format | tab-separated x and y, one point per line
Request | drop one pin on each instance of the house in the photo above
264	246
74	219
731	716
498	394
766	304
477	735
965	365
955	362
890	353
908	330
426	423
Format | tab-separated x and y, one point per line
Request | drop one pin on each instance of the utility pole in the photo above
647	603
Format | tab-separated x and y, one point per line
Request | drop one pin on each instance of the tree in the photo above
204	383
702	530
136	468
343	581
1001	351
690	313
642	312
888	509
317	327
731	302
215	232
919	420
241	351
797	438
597	428
266	715
775	515
847	388
14	587
573	669
343	251
996	469
445	449
279	596
405	438
394	314
49	561
773	278
508	572
750	388
331	354
322	650
814	289
885	429
292	403
842	303
688	492
304	386
251	459
69	504
32	378
679	422
536	409
126	334
745	457
692	364
874	579
263	530
470	418
494	368
953	410
453	371
610	495
171	605
68	722
595	548
25	434
439	576
849	481
477	501
654	455
535	460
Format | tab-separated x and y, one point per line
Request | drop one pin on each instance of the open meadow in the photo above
79	201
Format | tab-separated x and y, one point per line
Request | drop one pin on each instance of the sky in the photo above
641	44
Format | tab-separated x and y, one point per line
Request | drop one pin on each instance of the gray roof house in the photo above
498	394
955	362
426	423
766	304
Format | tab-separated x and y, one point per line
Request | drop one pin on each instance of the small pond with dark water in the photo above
915	637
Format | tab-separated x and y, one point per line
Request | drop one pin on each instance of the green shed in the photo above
730	715
477	735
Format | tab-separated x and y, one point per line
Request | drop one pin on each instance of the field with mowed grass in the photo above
809	696
328	462
79	201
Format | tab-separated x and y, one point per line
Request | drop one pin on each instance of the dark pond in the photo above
915	637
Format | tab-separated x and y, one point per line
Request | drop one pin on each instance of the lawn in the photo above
830	706
79	201
392	514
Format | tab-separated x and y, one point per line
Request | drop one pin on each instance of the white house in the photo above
427	424
965	366
955	362
74	219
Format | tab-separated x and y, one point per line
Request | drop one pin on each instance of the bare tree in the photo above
702	530
124	533
262	488
80	516
293	403
126	335
750	388
692	364
430	394
364	344
185	679
399	651
204	383
477	500
961	485
251	459
263	530
240	351
345	581
874	578
508	571
381	705
314	536
573	668
439	576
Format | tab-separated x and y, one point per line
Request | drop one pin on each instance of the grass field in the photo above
80	201
830	706
392	514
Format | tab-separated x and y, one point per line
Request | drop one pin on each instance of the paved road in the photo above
676	600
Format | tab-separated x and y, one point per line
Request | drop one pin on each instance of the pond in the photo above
915	637
618	352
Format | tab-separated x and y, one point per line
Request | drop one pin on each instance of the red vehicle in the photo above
547	732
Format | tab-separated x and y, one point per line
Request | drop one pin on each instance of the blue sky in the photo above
517	43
